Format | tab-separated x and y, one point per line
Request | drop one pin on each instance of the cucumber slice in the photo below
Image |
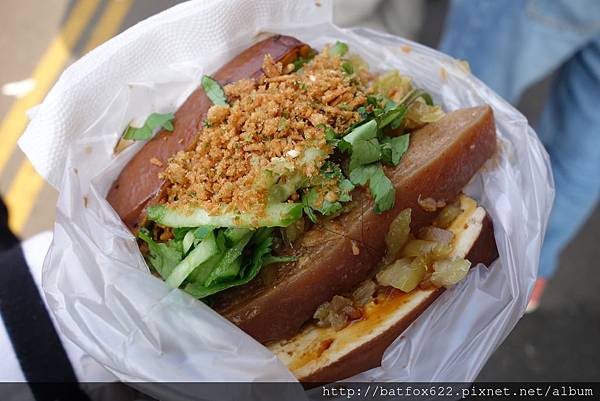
290	181
276	215
282	191
202	252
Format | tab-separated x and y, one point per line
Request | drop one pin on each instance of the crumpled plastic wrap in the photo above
97	283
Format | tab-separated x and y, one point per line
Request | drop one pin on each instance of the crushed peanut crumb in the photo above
156	162
267	124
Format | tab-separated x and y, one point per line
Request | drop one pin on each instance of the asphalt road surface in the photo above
558	342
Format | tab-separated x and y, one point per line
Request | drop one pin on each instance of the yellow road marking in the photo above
27	184
50	66
109	23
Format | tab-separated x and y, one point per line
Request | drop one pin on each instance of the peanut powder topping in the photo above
268	125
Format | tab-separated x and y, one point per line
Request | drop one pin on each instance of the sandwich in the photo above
311	201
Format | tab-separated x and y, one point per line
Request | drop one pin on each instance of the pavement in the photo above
558	342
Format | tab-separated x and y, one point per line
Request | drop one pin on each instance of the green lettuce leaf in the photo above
163	257
227	267
259	250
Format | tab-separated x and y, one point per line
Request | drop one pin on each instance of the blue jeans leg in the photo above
570	130
512	44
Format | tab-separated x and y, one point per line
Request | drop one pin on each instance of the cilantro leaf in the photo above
161	120
362	144
338	49
362	132
380	187
213	90
393	148
365	152
347	68
362	174
392	116
373	100
383	190
153	122
393	113
313	197
312	200
300	61
344	146
415	94
345	187
389	104
362	110
330	135
309	212
331	170
330	208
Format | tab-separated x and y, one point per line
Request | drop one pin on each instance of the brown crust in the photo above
484	250
441	160
139	183
369	355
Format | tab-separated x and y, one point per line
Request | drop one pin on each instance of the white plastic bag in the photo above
95	278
